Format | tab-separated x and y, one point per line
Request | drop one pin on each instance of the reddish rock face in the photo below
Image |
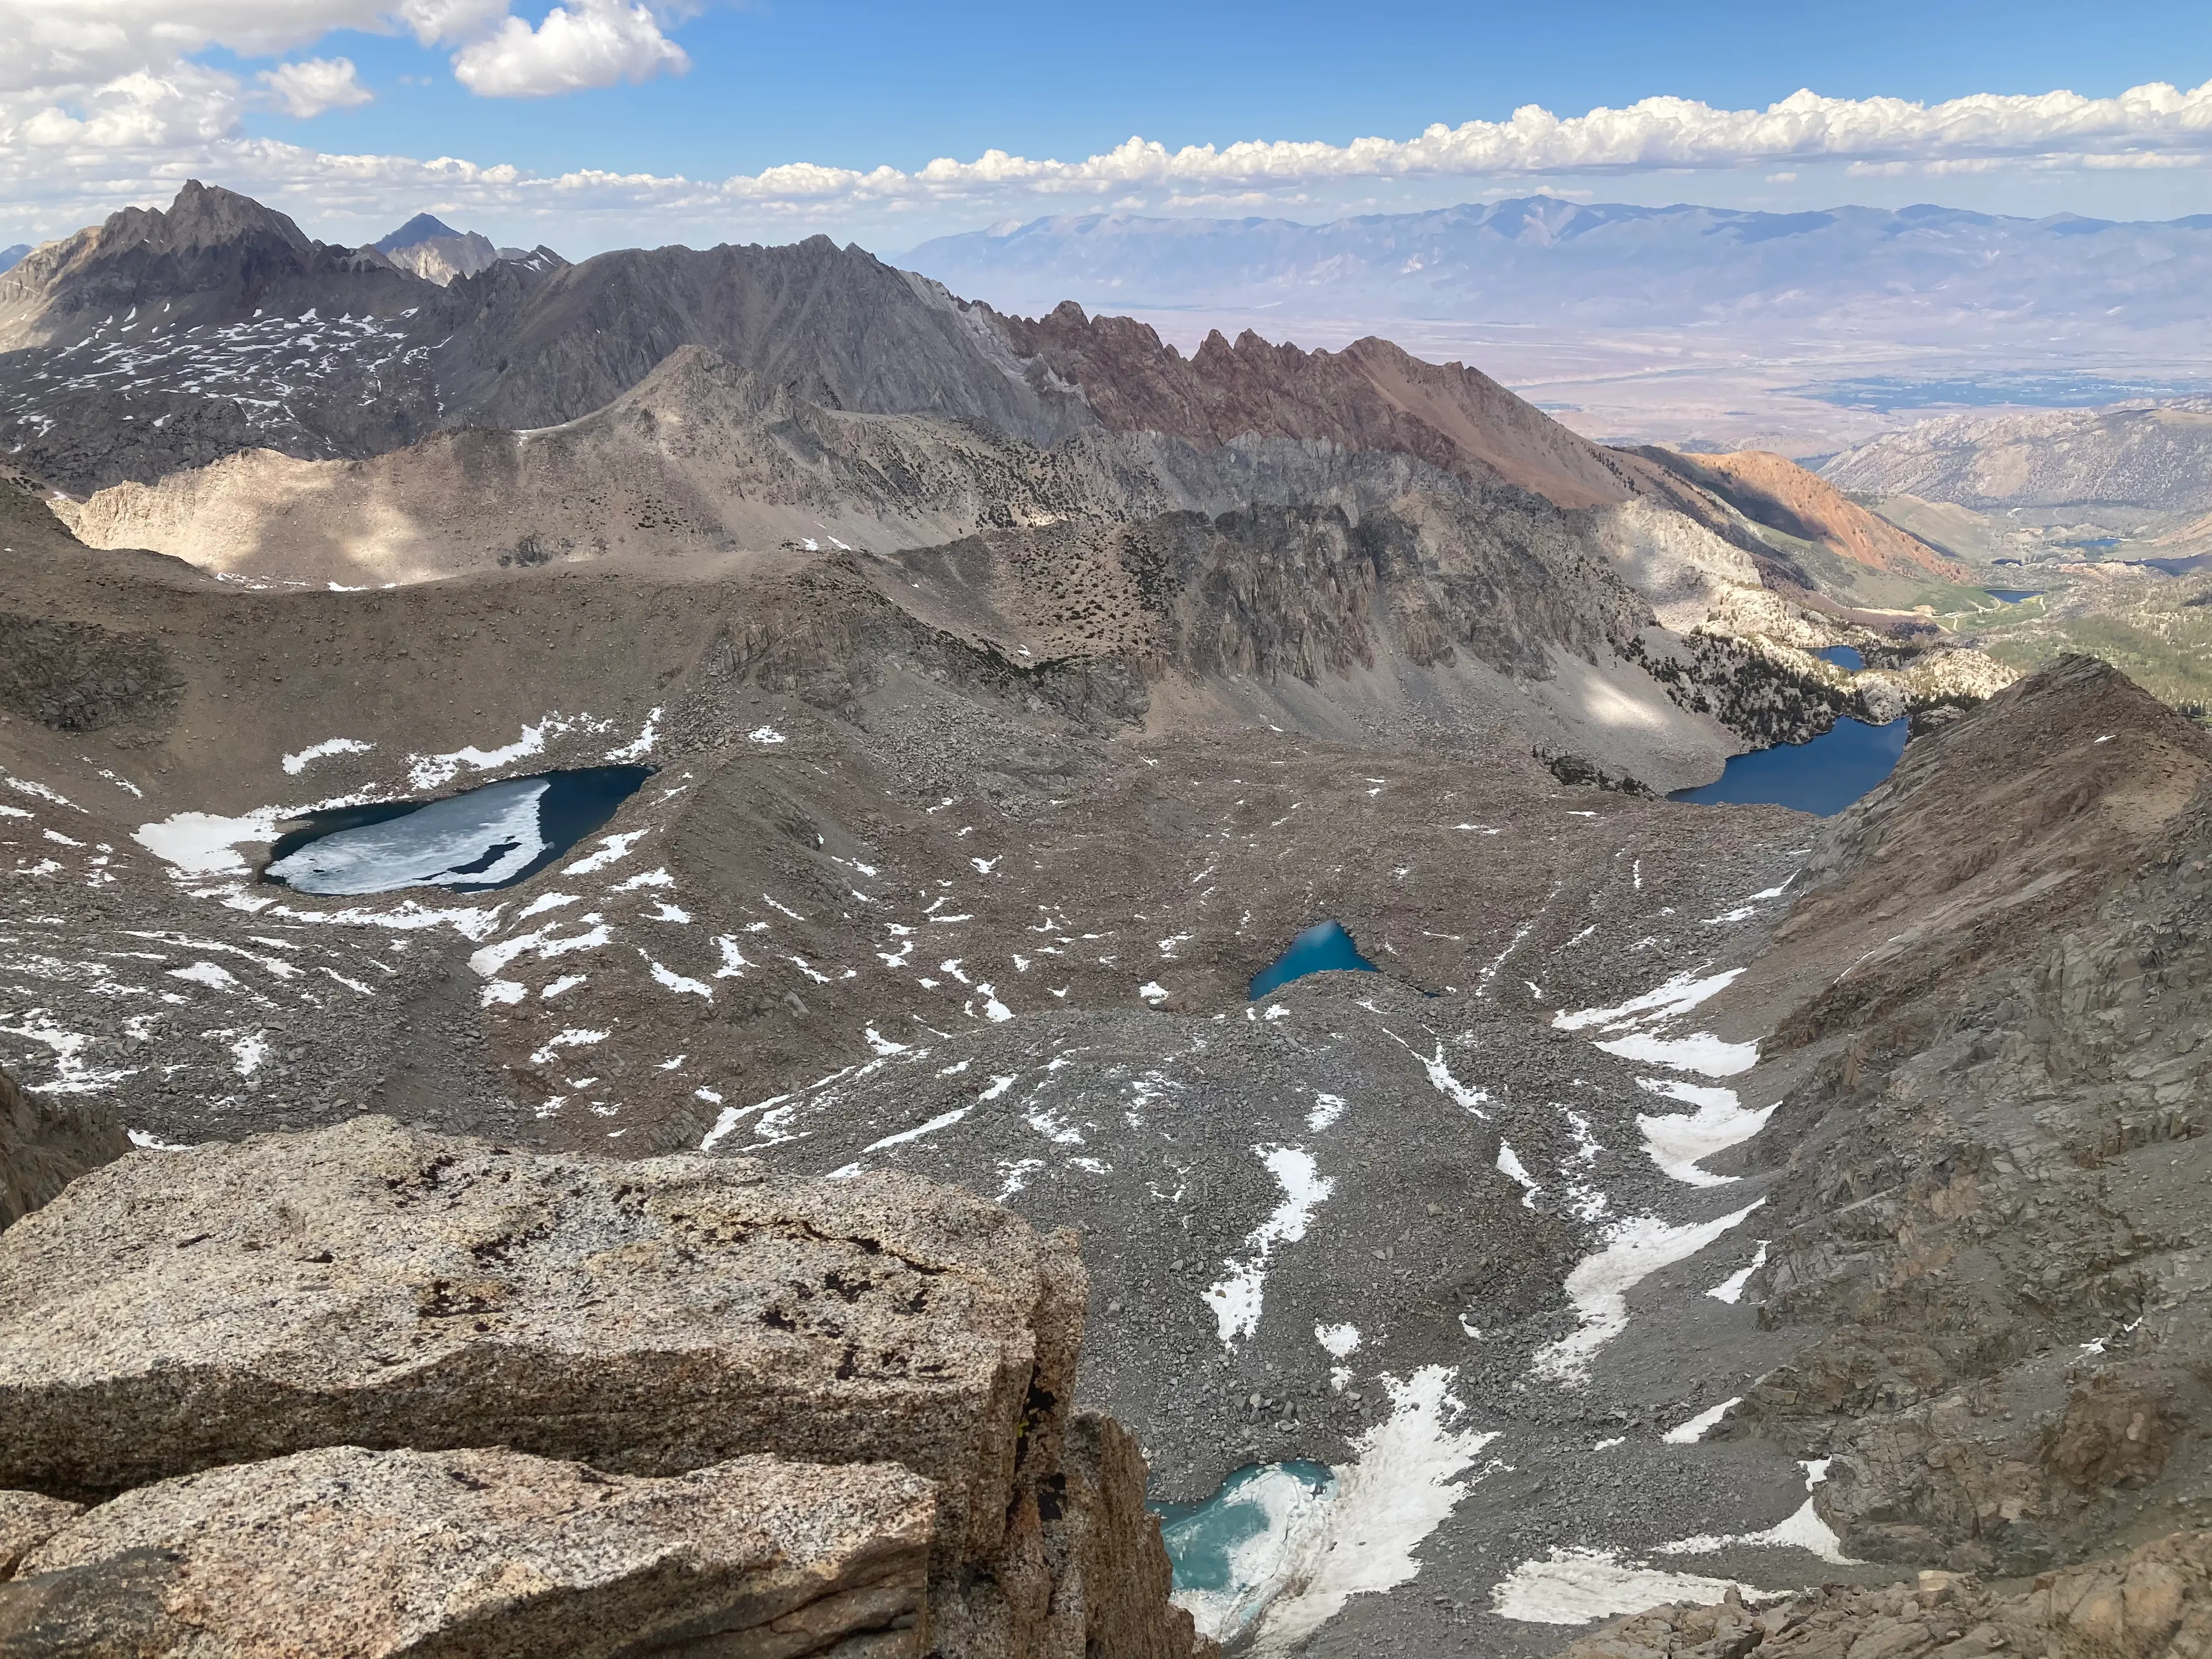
1370	396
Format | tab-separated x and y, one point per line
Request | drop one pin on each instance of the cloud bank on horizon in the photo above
113	100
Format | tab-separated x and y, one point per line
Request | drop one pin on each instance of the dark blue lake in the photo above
486	838
1323	947
2188	567
1823	776
1844	656
2014	595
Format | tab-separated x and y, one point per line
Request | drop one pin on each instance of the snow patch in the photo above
1599	1284
297	764
1574	1586
1701	1051
1235	1298
1801	1530
204	844
1678	1144
1730	1290
1697	1428
1677	996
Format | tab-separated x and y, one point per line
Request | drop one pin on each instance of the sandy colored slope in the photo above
1775	491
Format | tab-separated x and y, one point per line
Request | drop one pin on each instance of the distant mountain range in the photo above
1917	273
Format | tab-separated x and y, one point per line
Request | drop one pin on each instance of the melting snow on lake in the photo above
1355	1536
478	840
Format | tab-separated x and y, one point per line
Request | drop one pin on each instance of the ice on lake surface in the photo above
1230	1552
485	838
1823	776
1323	947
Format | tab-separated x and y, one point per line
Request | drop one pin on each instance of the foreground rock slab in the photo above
276	1357
378	1286
355	1554
27	1521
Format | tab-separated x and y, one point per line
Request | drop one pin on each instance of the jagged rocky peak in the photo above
202	216
689	1403
423	227
212	255
1371	396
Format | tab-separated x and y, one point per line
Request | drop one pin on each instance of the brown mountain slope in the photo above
1988	1009
1372	395
1776	492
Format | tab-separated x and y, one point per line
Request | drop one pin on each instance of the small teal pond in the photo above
471	842
1261	1532
1823	776
1323	947
1205	1541
1844	656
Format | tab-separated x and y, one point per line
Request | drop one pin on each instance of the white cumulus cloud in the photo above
308	88
582	43
117	111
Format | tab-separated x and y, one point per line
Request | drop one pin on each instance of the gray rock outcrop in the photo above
2155	1603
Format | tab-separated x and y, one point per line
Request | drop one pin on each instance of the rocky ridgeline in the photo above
1992	1197
371	1390
2155	1603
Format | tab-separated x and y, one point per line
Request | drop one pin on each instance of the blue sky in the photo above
853	83
340	110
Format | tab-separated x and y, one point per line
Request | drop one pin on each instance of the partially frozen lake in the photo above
1232	1552
490	837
